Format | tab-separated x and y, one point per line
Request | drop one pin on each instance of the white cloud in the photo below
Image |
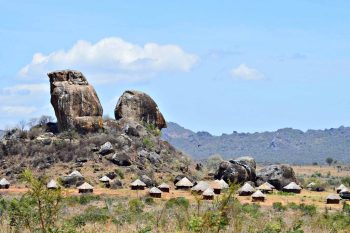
113	57
20	110
246	73
27	88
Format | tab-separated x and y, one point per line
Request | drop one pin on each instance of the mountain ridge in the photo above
286	145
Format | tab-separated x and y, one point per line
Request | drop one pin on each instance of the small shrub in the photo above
278	206
148	143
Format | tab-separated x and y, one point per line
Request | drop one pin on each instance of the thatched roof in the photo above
105	179
258	194
271	186
137	183
312	184
265	187
344	190
154	190
164	185
3	181
223	183
85	186
208	192
52	184
292	186
340	187
184	182
333	197
76	173
247	188
200	186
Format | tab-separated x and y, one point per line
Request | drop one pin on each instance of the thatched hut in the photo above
76	174
4	184
155	192
246	190
106	181
137	185
86	188
292	187
340	187
200	187
216	186
184	183
265	188
52	185
164	187
258	196
333	199
208	194
344	193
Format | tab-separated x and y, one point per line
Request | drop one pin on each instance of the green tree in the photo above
38	207
329	161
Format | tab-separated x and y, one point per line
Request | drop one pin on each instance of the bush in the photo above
308	209
278	206
148	143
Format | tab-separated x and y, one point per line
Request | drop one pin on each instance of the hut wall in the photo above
4	186
208	197
137	188
330	201
183	187
85	191
166	190
157	195
217	191
291	190
245	193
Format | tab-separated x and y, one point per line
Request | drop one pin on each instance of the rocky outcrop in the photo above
75	102
136	106
239	170
277	175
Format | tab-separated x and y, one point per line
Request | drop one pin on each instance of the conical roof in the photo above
344	190
208	192
52	184
138	183
258	194
223	183
164	185
154	190
200	186
85	186
246	188
292	185
333	197
76	173
3	181
271	186
312	184
265	187
340	187
184	182
105	179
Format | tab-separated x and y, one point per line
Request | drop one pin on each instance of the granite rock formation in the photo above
75	102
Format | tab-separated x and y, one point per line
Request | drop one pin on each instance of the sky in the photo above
216	66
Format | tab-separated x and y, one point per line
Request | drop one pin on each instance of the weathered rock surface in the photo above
239	170
277	175
106	148
72	181
148	181
138	107
75	102
120	158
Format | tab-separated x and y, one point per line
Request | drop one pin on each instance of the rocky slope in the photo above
282	146
128	147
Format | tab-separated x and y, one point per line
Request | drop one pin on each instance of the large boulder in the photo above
239	170
75	102
277	175
139	107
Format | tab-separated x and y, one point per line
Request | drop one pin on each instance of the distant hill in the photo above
1	133
282	146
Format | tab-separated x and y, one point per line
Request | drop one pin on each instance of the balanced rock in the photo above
139	107
239	170
75	102
277	175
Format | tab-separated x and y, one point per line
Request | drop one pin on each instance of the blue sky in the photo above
219	66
